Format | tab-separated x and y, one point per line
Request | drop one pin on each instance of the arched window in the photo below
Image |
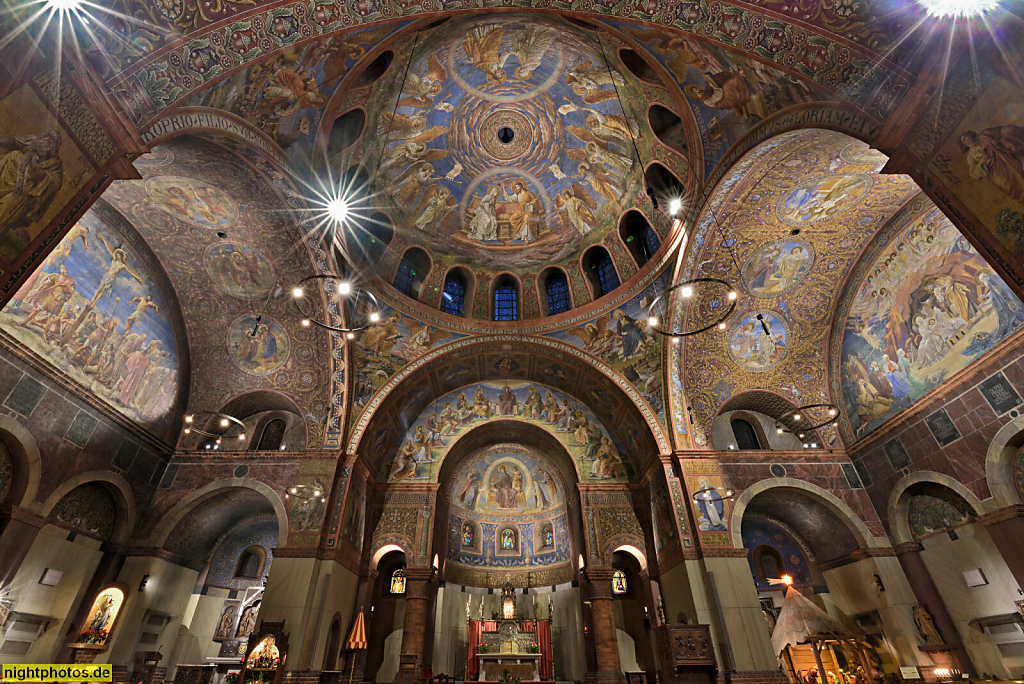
398	581
663	186
453	295
746	437
249	565
345	130
668	127
467	535
600	270
273	435
769	563
619	583
548	535
508	539
506	300
639	236
557	287
412	271
370	238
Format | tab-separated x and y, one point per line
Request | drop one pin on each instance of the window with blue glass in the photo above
505	304
606	274
453	295
405	277
650	241
558	293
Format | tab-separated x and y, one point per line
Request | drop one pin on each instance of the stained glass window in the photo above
508	539
467	534
606	275
453	295
405	277
619	585
558	293
505	303
651	243
398	582
548	533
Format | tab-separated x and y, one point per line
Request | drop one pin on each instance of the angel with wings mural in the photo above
482	47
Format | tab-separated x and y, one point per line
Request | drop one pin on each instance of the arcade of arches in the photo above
392	340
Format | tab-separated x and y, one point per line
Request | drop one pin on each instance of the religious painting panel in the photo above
437	428
983	163
98	309
665	531
354	522
924	306
41	168
227	621
711	507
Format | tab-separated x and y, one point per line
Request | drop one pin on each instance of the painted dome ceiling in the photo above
506	147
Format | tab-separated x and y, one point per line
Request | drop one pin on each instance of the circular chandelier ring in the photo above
801	414
190	423
731	296
711	494
327	326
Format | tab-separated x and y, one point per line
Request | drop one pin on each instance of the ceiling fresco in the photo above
508	146
922	305
222	235
800	209
593	447
102	310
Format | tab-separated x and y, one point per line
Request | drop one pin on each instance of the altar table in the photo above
525	666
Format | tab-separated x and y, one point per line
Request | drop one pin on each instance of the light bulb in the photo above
305	322
188	431
721	326
652	321
241	436
686	291
832	412
350	336
297	292
188	419
375	317
674	206
732	295
344	288
950	9
338	209
223	422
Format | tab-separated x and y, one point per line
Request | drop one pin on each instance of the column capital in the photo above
599	582
418	584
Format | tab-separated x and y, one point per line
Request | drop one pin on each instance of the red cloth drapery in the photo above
544	639
473	666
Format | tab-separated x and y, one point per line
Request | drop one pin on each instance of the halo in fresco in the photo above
751	348
262	353
239	270
777	267
193	200
160	156
822	198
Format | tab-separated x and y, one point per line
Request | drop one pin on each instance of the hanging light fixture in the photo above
342	287
223	420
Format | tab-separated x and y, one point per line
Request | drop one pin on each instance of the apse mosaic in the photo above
925	306
509	146
96	310
224	564
87	508
511	481
433	432
623	339
934	508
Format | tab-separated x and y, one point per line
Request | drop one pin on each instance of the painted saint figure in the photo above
484	225
31	174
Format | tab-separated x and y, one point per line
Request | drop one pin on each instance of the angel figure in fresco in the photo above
681	51
422	338
118	265
484	224
600	181
404	154
334	52
576	206
407	186
421	89
434	208
726	90
31	174
482	46
529	46
997	155
142	305
381	336
601	154
596	337
288	92
589	81
400	126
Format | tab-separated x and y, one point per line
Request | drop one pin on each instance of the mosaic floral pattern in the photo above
934	508
87	508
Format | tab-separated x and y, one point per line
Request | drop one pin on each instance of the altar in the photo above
524	666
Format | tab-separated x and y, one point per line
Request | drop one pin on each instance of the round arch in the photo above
124	523
385	545
999	464
171	519
26	460
628	544
852	521
899	500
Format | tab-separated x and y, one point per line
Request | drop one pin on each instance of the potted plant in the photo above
93	636
533	648
483	648
508	678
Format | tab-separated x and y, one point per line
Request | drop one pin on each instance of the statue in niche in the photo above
926	625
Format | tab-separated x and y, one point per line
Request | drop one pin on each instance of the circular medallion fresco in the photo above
508	148
257	347
751	348
192	200
239	270
822	198
777	267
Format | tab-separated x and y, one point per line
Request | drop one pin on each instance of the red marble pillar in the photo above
419	591
18	529
605	641
927	595
1006	527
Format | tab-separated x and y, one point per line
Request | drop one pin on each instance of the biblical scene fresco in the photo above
41	169
239	270
623	339
507	510
727	91
511	143
258	346
94	310
933	508
927	304
983	162
788	285
434	431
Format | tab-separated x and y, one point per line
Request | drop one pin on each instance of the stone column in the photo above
364	600
18	529
606	644
419	590
1006	527
927	595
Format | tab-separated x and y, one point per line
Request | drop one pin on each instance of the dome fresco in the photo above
508	146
